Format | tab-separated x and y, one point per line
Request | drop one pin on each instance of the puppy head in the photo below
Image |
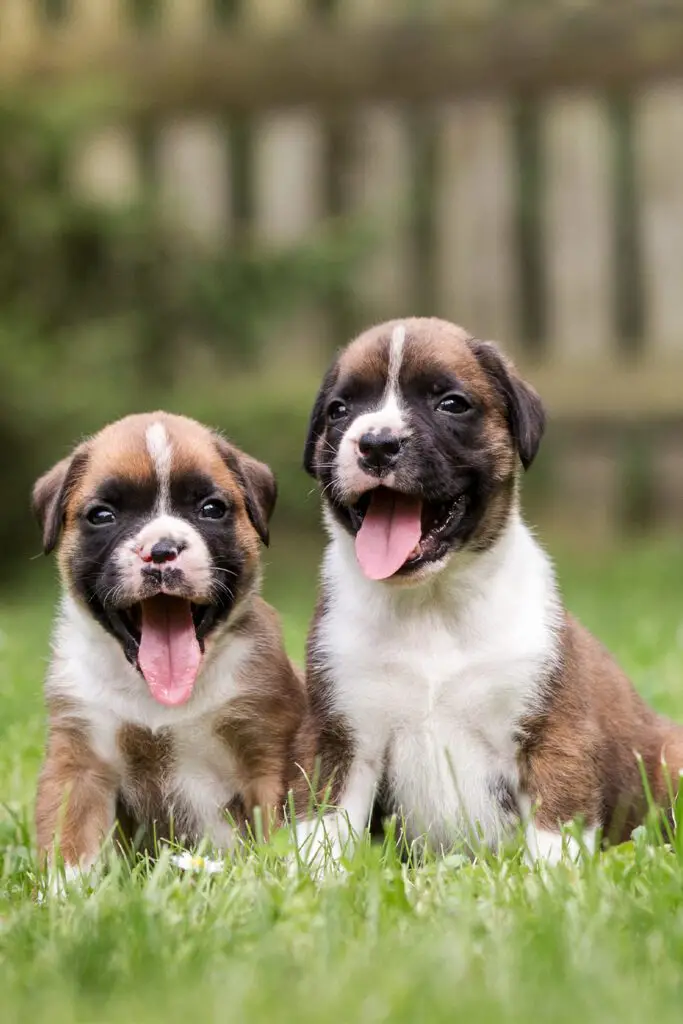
416	437
160	521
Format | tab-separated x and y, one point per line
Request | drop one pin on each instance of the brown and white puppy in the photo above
171	699
444	673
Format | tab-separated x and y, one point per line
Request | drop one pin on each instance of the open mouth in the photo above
131	617
396	532
163	637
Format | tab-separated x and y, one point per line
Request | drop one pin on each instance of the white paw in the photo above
322	843
543	846
67	879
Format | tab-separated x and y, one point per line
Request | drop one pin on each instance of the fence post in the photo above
104	166
578	229
379	189
658	122
667	480
288	190
578	254
19	26
193	151
475	220
658	141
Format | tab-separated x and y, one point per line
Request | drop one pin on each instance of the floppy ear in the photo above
50	494
258	486
316	423
260	489
524	409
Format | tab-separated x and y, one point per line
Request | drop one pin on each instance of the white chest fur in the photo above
89	669
435	680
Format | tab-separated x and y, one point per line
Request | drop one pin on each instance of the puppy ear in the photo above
316	423
258	485
525	413
50	495
260	489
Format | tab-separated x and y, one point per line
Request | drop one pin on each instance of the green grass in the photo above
387	942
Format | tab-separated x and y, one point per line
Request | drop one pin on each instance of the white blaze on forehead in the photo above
398	338
161	451
390	416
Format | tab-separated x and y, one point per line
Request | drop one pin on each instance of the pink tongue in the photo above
389	532
169	656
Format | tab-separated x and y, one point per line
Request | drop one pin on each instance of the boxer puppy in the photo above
444	673
173	707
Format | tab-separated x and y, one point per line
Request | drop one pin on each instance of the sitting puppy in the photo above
172	704
443	671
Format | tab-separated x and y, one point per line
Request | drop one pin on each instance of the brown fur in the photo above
430	344
120	449
433	345
146	766
579	757
261	728
76	794
264	728
583	754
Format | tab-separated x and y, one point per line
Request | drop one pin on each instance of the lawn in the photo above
387	942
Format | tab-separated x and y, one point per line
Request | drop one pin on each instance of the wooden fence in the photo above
524	166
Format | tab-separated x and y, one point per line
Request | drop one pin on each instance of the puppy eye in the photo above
100	515
455	404
337	410
213	509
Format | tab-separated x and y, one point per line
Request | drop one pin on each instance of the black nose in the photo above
379	451
164	550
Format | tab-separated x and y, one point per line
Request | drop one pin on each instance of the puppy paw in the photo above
65	880
550	848
322	844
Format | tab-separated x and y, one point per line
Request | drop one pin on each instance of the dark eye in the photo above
213	509
455	404
337	410
100	515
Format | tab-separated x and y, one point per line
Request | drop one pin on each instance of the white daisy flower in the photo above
192	862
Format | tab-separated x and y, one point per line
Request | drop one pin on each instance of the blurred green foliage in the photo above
103	312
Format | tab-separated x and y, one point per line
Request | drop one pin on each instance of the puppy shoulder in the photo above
67	717
261	622
268	665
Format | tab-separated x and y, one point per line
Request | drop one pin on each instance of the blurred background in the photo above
201	199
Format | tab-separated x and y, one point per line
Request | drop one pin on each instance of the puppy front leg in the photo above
547	841
550	846
264	803
76	801
333	835
547	808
